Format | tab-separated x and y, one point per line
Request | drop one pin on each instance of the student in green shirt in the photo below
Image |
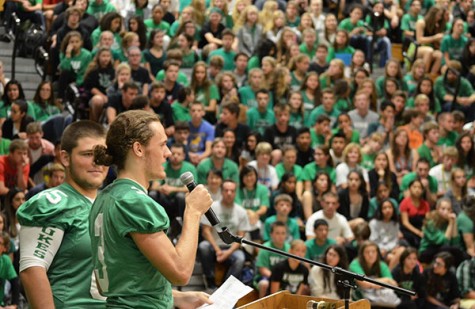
447	135
440	233
341	45
309	43
288	164
379	35
408	21
74	60
98	8
465	95
205	90
283	206
266	259
317	246
370	263
453	44
181	106
354	25
429	149
260	117
327	107
321	132
226	51
156	21
112	22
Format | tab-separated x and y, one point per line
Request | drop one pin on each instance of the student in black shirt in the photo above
162	108
303	145
290	274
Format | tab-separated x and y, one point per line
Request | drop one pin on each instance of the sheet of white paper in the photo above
228	294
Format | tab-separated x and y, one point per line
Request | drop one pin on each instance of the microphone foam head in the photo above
187	178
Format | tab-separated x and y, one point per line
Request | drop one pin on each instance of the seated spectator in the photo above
15	125
352	158
442	171
40	151
74	60
122	102
288	186
291	274
265	171
354	201
317	247
181	106
312	199
54	175
229	119
324	283
413	210
447	135
441	283
408	275
253	197
369	263
261	116
362	116
341	230
283	207
212	249
465	223
466	283
13	92
161	108
8	272
382	173
465	95
217	160
440	233
281	133
385	225
44	104
13	165
266	259
429	183
201	134
457	190
214	181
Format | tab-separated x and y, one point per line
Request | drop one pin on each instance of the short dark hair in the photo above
232	107
262	90
182	125
130	85
319	222
322	118
80	129
277	224
303	130
227	32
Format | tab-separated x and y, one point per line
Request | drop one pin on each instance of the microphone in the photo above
188	180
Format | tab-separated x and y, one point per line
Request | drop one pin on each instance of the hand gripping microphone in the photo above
188	180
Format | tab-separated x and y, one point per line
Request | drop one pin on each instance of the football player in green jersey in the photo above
135	263
55	255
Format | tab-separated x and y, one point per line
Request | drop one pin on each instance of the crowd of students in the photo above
273	105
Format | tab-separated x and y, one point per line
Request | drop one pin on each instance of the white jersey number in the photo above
101	274
53	196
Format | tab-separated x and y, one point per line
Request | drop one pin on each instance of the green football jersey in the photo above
71	271
124	274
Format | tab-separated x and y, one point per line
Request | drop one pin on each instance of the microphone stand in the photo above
347	277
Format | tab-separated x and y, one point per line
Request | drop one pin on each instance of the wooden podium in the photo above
284	299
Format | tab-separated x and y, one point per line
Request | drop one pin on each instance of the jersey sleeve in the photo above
139	213
51	208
